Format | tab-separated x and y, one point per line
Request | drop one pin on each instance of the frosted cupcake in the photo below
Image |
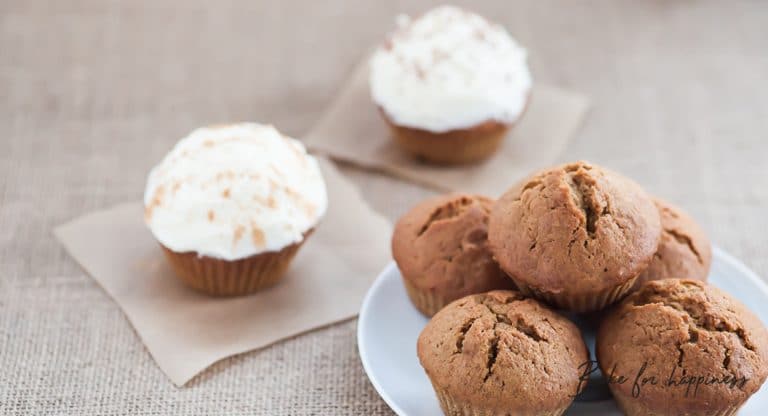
231	205
450	85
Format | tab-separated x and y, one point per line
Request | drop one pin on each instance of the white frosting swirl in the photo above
450	69
233	191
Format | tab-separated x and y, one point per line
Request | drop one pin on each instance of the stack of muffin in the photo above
582	239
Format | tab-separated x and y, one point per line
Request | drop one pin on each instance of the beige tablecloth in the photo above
93	93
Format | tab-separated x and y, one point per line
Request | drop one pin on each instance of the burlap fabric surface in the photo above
93	93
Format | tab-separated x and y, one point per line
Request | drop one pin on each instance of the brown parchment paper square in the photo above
352	130
184	331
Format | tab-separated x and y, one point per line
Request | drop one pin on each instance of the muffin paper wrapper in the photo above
582	303
450	148
452	407
232	278
426	302
633	407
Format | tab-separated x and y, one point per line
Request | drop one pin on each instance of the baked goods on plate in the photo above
501	353
682	347
684	250
575	235
441	248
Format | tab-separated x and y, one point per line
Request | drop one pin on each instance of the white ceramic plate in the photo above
389	326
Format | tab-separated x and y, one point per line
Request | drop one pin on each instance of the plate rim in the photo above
364	308
717	252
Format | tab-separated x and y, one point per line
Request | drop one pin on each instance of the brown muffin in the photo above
441	248
678	331
575	235
499	353
684	250
458	146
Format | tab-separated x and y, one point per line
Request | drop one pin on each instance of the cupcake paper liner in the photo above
633	407
219	277
463	150
582	303
426	302
453	407
452	147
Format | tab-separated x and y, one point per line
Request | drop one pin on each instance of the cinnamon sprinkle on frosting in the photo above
449	69
230	182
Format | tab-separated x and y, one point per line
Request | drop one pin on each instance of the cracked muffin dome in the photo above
441	249
707	352
684	250
230	205
500	353
575	235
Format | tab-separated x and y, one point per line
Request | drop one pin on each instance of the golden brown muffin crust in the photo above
504	352
693	329
575	228
441	245
684	250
